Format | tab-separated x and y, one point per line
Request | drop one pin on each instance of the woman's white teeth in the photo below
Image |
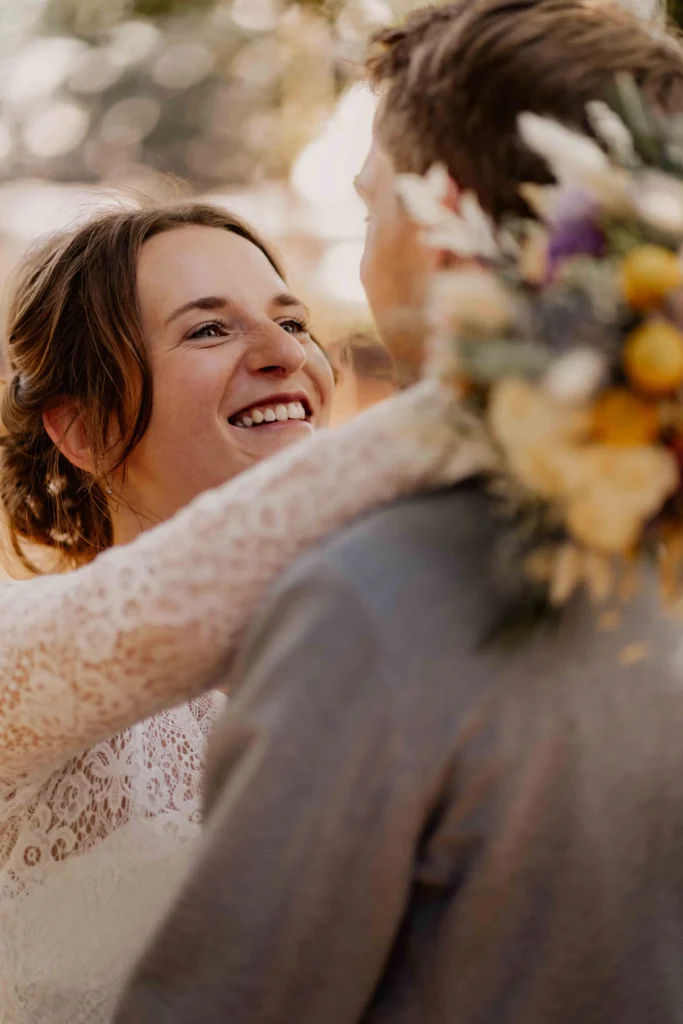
291	411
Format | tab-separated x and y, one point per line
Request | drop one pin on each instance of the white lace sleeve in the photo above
150	624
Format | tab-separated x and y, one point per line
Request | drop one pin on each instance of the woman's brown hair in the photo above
74	332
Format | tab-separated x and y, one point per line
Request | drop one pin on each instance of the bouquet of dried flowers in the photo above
563	333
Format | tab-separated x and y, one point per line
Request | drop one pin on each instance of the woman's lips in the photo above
271	413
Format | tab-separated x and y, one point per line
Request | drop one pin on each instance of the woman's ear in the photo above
65	427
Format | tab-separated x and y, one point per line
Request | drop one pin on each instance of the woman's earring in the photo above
107	487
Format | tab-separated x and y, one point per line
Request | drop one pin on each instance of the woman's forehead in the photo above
193	260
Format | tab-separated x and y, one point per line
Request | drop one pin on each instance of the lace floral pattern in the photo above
97	853
151	771
95	831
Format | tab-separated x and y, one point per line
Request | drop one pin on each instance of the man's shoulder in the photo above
407	560
438	525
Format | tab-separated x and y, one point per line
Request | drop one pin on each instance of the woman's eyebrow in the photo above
213	302
205	302
286	301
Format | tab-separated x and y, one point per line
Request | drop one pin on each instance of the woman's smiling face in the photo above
236	374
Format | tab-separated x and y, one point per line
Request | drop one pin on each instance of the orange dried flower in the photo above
648	273
622	418
653	357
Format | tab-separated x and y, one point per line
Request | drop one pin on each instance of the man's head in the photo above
452	82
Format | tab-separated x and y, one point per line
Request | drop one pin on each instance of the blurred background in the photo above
254	104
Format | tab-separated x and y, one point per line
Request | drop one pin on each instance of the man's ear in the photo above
64	424
451	200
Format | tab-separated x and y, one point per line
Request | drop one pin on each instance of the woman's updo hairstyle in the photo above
74	332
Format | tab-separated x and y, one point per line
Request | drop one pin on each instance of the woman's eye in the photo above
293	326
214	329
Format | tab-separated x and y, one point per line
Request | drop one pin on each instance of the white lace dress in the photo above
95	831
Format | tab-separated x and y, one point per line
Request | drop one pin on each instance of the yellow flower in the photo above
522	414
536	432
539	468
605	493
648	273
622	418
613	492
653	357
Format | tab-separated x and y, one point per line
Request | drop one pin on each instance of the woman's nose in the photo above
275	351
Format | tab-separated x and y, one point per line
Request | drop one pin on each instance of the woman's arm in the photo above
151	624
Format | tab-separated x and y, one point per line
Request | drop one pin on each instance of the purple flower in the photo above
574	238
574	230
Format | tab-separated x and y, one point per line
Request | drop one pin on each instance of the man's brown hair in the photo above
454	79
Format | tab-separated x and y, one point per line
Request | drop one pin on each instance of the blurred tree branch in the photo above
85	17
675	9
272	71
91	16
166	8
